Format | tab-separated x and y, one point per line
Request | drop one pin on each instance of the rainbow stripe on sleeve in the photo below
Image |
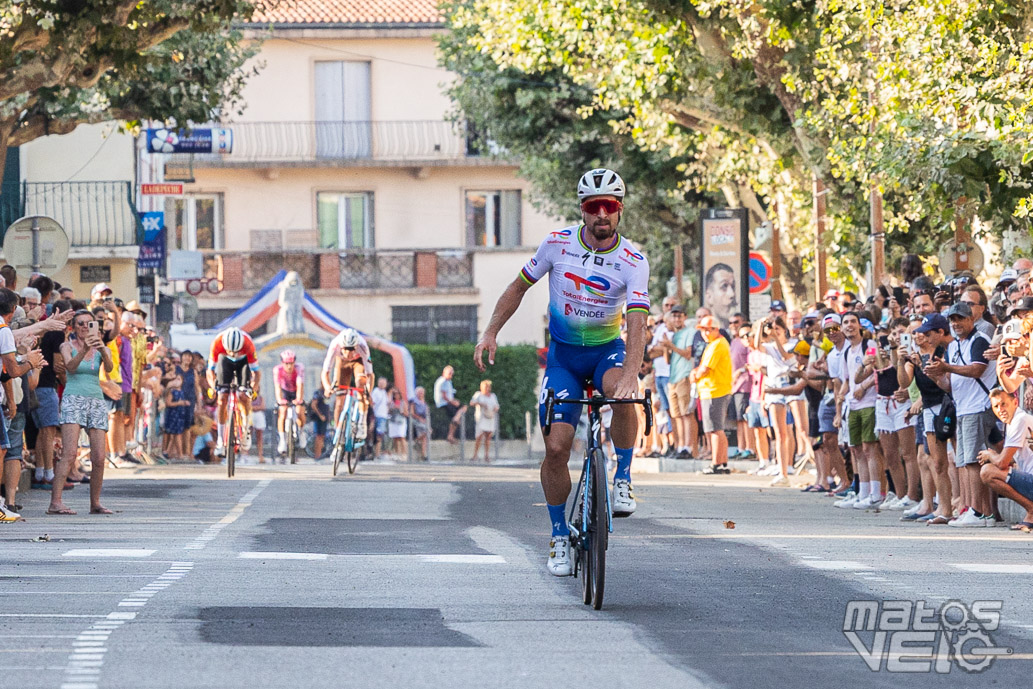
528	278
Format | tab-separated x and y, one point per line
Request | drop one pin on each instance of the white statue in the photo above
291	318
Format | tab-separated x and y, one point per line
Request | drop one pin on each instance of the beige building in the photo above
85	181
346	169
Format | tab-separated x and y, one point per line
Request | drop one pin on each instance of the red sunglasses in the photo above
593	206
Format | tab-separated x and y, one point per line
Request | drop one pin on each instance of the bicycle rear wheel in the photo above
598	534
231	443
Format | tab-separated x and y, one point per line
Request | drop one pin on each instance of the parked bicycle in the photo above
591	519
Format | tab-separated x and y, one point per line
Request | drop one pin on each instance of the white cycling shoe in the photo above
360	431
559	556
623	501
281	446
245	442
220	449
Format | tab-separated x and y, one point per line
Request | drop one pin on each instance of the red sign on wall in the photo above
161	189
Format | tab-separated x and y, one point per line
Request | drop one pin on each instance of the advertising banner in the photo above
194	141
152	249
725	281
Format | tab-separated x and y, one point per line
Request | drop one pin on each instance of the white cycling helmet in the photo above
233	340
350	339
600	182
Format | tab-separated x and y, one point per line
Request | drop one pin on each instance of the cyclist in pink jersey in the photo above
290	389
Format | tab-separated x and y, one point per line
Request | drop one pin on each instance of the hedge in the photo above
514	379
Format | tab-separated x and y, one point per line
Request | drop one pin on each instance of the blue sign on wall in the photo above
152	250
194	141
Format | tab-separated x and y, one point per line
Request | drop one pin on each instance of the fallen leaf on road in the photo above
729	524
41	539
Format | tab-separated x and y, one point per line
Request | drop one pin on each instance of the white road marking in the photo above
44	614
989	568
835	565
282	556
82	671
209	534
109	552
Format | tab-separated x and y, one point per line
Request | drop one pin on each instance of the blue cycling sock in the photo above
558	516
623	464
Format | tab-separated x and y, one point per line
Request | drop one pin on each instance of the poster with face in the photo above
724	287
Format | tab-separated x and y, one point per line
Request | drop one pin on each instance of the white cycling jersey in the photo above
588	289
336	349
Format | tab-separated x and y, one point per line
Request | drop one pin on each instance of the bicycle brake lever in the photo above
648	404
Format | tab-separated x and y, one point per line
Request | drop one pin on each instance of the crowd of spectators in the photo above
916	399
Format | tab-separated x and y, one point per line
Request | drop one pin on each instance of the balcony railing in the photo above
382	269
92	213
405	141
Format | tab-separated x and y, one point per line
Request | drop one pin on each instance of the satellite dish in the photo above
52	245
955	258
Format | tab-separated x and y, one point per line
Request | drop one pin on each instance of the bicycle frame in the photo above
344	422
594	402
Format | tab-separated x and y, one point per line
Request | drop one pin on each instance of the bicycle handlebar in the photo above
597	401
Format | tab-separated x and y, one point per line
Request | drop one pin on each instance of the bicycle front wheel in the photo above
231	444
292	440
599	531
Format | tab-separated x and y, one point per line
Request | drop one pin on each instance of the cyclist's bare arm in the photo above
506	306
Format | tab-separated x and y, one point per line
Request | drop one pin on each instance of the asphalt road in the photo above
434	576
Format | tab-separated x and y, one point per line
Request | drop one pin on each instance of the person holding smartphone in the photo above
83	406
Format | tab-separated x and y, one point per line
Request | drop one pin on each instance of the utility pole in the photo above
878	237
679	272
820	275
776	254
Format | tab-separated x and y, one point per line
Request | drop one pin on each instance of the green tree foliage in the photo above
926	100
66	63
514	378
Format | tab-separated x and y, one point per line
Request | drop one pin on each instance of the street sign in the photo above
36	243
161	189
760	273
193	141
955	258
186	265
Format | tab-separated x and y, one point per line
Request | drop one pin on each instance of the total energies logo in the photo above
593	284
628	253
560	233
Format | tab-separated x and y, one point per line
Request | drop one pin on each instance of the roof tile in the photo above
350	12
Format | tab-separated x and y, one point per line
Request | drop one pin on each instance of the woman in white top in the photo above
771	339
486	406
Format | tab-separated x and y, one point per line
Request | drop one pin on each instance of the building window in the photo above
445	324
343	110
194	222
493	218
345	219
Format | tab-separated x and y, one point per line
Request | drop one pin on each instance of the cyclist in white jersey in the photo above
347	364
594	274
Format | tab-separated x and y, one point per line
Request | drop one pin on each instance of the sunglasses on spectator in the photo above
831	330
593	206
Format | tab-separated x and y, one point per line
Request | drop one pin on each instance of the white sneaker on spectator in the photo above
759	469
967	519
990	521
863	504
888	499
771	470
7	515
779	480
903	503
914	509
791	470
846	502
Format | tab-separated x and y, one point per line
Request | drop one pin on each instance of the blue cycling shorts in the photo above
567	370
